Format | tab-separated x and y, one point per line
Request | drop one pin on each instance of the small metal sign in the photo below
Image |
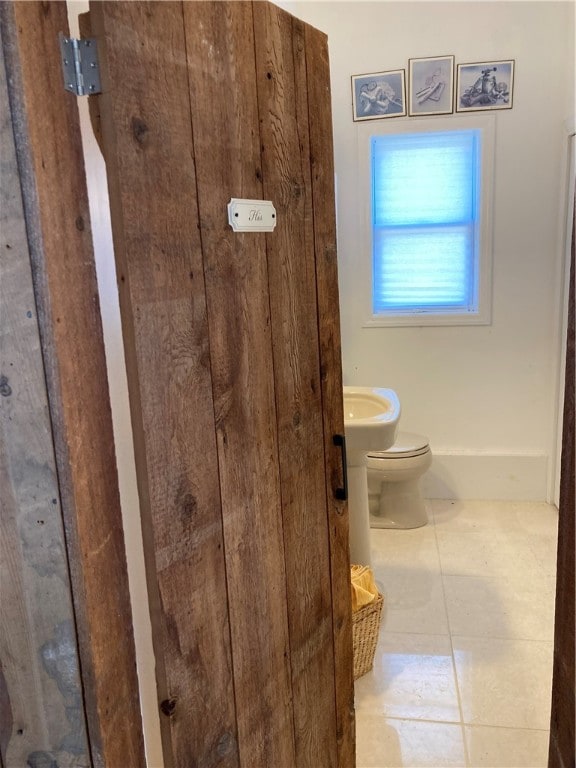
251	215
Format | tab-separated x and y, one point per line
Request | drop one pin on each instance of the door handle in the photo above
341	493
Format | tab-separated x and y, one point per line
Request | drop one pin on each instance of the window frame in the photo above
483	267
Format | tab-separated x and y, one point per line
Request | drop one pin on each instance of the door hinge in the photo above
80	65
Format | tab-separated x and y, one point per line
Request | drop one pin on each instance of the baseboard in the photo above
486	476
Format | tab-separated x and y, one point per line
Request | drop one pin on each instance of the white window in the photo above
430	185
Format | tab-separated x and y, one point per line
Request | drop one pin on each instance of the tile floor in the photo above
463	667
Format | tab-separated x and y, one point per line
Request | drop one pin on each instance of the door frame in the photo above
49	151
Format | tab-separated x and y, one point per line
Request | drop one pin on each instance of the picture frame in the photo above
485	85
379	95
431	86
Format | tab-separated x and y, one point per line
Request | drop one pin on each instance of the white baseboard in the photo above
486	476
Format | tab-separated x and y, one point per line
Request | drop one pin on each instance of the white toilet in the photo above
394	495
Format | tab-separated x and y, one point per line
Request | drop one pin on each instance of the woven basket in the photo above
365	629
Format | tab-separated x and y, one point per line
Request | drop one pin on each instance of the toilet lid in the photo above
407	444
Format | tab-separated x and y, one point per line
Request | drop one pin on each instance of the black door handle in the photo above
341	493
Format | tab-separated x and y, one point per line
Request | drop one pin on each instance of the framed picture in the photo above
431	86
487	85
382	94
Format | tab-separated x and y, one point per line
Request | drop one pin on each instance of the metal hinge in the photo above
80	65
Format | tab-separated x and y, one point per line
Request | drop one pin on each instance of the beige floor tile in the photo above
413	601
416	548
545	550
407	570
413	677
480	606
506	747
530	517
504	682
483	571
494	554
390	743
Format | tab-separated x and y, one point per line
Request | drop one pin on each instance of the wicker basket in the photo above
365	629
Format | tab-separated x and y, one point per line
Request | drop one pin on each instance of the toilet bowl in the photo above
394	496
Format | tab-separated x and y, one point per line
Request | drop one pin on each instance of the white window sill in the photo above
427	319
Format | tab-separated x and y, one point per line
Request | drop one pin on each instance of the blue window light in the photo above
426	211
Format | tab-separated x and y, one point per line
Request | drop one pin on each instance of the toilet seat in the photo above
407	445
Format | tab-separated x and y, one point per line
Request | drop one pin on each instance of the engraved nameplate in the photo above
251	215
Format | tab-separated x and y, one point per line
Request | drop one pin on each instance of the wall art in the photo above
378	95
487	85
431	86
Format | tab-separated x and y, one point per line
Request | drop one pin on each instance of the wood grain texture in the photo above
203	102
221	65
147	138
283	109
323	202
43	712
562	725
54	190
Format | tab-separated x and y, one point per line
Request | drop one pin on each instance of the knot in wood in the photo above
40	759
168	707
140	131
225	744
297	190
5	388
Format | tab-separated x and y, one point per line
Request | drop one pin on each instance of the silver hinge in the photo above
80	65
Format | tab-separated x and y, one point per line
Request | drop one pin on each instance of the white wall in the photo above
486	394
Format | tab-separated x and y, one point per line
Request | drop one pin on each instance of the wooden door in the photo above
233	359
68	685
41	709
562	723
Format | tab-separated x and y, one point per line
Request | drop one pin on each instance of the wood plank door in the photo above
68	685
233	359
562	723
41	708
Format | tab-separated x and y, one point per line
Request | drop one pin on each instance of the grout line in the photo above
431	721
504	638
418	719
433	519
506	727
454	669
